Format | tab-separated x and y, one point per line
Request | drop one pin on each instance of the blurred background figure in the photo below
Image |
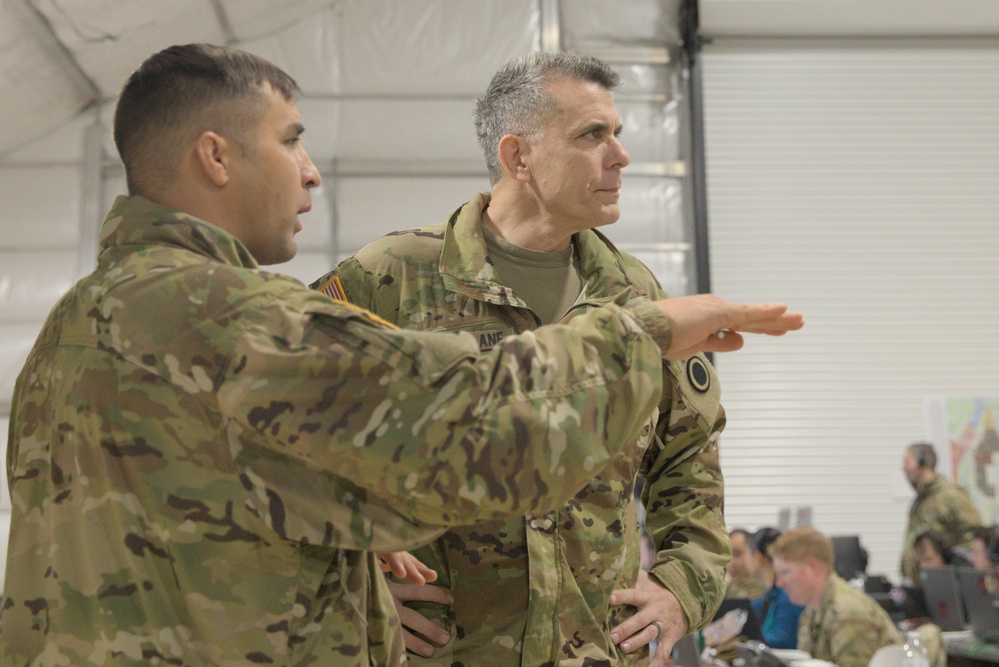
932	550
940	506
740	584
978	549
842	625
778	615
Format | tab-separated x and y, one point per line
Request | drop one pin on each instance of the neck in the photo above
817	598
197	199
520	221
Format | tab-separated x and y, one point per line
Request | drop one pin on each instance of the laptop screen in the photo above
979	601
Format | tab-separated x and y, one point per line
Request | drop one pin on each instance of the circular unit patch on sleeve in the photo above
697	373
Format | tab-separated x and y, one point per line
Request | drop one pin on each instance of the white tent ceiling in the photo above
388	91
60	57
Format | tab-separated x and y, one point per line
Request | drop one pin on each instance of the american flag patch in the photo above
334	290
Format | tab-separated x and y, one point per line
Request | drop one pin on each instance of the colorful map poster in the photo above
968	426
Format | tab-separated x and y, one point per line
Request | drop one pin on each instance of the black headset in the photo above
923	453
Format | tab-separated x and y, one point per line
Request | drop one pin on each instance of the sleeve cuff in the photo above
671	576
653	321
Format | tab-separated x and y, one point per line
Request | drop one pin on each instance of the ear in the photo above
512	151
212	154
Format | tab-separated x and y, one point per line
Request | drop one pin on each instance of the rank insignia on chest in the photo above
489	339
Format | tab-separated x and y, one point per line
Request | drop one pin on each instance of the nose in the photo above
310	175
618	156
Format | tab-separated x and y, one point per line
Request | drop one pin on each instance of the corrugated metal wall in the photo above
860	182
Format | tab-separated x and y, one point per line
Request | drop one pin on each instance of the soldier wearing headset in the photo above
940	507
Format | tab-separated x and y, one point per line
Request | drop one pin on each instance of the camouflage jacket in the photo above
203	454
535	590
848	627
944	508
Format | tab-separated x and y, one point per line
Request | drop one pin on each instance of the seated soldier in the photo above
740	583
932	550
840	624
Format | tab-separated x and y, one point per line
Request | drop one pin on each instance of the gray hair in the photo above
517	101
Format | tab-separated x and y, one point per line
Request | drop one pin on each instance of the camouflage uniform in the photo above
535	590
848	627
944	508
202	454
748	588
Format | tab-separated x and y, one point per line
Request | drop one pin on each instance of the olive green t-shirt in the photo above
548	282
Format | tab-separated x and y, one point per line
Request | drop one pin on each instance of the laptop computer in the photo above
979	602
943	598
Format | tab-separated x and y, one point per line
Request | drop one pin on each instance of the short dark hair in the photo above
740	531
924	454
517	101
185	90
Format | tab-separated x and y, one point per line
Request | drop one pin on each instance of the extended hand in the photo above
696	320
412	621
405	566
654	604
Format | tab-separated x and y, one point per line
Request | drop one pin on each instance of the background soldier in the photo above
739	583
840	624
940	507
508	261
202	455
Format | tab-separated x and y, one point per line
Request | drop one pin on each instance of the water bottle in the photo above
914	654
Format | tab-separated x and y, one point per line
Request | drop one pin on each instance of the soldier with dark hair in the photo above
203	456
740	583
932	550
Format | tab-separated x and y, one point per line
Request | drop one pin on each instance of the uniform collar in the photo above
825	602
926	488
466	268
137	221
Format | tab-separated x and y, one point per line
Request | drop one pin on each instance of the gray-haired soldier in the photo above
549	588
203	455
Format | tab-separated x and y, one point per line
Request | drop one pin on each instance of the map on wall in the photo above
968	425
